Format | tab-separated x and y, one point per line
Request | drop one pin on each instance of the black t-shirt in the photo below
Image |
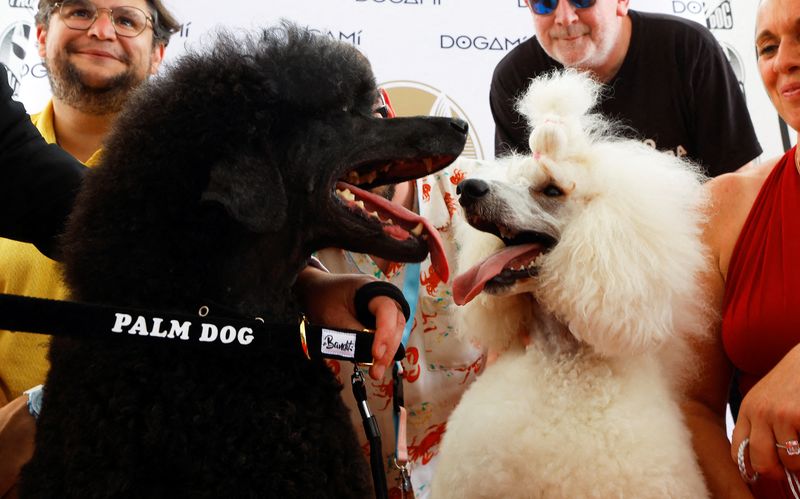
675	90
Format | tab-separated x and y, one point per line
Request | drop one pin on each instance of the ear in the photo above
251	191
625	270
41	38
156	57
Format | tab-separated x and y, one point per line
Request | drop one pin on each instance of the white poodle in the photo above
591	250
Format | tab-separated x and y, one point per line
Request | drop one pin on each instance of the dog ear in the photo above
624	274
251	191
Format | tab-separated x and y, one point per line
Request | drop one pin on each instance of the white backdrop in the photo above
434	56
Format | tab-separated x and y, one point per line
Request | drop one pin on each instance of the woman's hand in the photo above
770	415
329	299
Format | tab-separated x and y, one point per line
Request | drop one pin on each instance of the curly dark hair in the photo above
164	23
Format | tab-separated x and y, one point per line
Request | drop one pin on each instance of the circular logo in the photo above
412	98
14	44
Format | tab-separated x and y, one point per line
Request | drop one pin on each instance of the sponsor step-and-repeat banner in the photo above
434	57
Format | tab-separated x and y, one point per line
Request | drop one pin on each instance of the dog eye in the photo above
552	191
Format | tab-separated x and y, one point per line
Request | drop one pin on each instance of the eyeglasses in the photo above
81	15
547	7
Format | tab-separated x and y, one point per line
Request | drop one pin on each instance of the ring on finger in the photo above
792	447
742	467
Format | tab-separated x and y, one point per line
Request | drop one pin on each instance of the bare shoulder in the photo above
729	192
731	197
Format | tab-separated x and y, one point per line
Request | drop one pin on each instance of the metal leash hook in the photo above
405	478
400	459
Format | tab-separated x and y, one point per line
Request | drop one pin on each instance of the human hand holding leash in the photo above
770	418
330	299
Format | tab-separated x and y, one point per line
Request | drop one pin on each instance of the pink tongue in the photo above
467	285
409	220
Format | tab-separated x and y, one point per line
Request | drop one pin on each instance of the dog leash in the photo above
91	320
411	285
409	297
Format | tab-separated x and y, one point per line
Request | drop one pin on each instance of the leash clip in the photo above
405	476
303	341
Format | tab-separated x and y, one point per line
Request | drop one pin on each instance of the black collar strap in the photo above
90	320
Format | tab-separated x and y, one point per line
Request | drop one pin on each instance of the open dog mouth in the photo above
391	219
518	260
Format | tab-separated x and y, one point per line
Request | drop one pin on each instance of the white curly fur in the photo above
589	408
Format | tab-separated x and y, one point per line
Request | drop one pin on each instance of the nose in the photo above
787	60
460	125
103	26
471	190
565	13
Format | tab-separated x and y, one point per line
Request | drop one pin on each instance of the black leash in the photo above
373	432
91	320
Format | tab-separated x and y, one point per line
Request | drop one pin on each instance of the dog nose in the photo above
471	190
460	125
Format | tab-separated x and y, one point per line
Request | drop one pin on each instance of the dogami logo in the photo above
412	98
687	6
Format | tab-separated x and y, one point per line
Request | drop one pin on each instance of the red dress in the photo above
760	319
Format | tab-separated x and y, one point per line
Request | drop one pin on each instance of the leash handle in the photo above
377	288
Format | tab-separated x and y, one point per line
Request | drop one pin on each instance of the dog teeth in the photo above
360	204
374	215
345	194
417	230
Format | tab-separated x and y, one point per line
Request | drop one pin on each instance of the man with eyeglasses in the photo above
665	77
96	54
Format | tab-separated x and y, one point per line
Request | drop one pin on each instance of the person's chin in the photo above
100	76
100	82
572	53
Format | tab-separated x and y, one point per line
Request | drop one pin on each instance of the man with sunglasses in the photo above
666	78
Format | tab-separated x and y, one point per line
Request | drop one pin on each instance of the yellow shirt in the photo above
25	271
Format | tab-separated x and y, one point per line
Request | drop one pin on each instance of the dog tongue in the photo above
409	219
469	284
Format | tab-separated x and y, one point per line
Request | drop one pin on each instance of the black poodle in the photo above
218	182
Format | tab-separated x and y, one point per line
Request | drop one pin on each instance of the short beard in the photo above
68	86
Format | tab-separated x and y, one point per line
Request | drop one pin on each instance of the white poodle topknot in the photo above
557	107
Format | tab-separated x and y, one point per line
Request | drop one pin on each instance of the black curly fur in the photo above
216	185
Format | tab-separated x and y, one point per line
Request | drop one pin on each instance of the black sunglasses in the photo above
546	7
